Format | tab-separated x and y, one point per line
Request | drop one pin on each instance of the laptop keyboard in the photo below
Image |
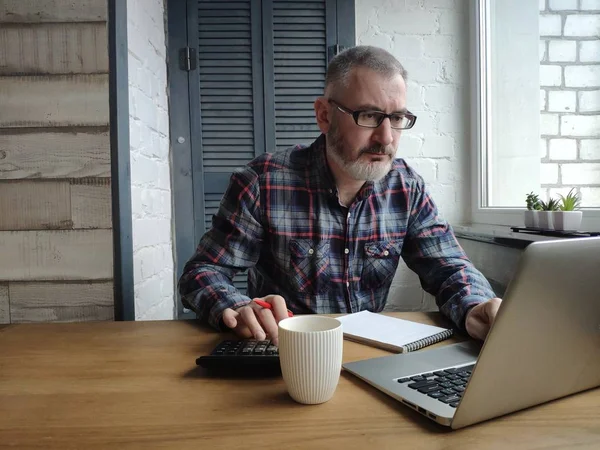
446	385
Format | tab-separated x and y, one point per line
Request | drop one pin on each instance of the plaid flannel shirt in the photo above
281	220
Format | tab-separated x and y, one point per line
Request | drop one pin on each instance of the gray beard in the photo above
355	168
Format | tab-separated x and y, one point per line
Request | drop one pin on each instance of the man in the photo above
321	228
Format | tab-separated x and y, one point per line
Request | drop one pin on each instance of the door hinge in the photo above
187	58
334	50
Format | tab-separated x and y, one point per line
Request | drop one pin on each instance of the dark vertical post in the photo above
120	164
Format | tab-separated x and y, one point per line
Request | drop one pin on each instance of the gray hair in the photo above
374	58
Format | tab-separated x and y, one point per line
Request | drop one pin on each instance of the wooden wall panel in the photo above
54	48
56	246
4	305
54	101
56	255
35	205
59	153
18	11
61	302
91	203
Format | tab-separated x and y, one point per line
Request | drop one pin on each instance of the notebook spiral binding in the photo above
428	341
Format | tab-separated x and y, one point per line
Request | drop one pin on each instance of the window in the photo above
537	106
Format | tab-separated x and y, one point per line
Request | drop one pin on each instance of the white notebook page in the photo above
385	329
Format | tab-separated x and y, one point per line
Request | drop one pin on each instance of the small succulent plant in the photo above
571	202
551	205
533	202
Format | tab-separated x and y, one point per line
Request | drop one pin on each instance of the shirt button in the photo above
386	253
347	284
311	251
346	251
348	215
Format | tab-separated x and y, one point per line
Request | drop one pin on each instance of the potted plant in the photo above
546	212
568	217
531	213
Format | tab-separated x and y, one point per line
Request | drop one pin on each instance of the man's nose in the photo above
383	134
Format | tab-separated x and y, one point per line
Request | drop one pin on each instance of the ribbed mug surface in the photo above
310	354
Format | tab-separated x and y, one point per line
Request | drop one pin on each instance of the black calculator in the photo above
242	356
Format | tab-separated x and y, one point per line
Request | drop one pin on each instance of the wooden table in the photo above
122	385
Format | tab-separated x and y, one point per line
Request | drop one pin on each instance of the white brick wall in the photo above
590	197
582	76
570	105
549	124
580	126
430	38
150	163
550	76
562	101
581	173
589	101
543	148
563	149
590	5
562	5
590	149
562	51
583	25
549	174
589	51
550	25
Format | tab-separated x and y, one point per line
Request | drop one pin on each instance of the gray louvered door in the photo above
299	49
261	65
231	104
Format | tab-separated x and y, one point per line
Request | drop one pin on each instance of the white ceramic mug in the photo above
310	354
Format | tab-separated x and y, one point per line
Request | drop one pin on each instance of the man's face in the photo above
365	154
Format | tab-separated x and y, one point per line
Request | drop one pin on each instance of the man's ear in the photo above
323	114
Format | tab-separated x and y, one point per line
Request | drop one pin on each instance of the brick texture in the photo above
570	122
150	168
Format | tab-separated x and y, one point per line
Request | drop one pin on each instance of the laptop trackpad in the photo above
449	355
421	361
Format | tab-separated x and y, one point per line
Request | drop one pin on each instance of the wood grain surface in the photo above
133	385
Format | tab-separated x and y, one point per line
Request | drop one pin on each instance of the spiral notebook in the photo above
390	333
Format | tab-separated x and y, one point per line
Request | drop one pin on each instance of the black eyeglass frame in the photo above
356	114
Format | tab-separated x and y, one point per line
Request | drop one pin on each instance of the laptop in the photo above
543	345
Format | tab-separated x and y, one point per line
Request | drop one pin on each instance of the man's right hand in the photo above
254	321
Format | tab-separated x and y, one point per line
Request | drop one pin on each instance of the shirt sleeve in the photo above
432	251
231	245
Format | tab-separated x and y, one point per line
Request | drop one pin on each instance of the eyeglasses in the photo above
372	119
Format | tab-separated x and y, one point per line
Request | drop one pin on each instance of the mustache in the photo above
378	150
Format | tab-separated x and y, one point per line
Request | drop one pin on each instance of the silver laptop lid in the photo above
545	342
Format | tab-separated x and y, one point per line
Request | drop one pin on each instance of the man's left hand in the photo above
481	317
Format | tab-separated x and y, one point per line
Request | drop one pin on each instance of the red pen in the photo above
269	306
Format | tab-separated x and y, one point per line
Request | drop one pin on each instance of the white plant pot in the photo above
531	219
567	220
545	220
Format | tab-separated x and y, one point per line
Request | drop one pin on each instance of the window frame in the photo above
480	142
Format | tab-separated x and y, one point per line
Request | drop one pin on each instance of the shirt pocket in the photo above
381	262
310	267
